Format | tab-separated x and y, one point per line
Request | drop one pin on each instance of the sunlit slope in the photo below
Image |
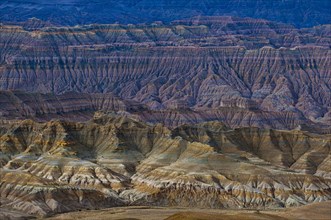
112	161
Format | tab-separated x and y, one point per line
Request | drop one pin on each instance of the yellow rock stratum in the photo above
54	167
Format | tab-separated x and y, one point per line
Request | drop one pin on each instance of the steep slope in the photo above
200	64
112	161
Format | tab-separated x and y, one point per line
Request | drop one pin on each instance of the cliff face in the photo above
64	166
300	13
197	64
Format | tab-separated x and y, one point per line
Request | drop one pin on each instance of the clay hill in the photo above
243	71
60	166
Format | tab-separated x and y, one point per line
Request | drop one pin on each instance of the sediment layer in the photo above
112	161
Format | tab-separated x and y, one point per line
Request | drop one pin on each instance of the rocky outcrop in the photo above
112	161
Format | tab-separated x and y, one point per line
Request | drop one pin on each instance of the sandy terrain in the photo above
317	211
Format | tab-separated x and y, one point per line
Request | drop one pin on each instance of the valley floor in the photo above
316	211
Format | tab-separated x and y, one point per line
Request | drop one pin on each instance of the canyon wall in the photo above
197	64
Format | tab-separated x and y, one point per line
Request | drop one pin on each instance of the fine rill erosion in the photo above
205	109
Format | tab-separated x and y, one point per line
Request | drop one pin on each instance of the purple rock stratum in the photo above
213	112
